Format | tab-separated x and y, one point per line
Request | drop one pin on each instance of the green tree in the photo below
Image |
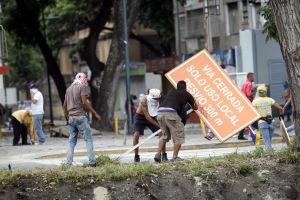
158	15
285	15
25	65
24	18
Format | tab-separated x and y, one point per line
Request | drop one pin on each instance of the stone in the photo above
101	193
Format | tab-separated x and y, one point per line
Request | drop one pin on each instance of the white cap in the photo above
154	93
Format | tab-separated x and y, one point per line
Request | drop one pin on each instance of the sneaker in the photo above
157	157
242	138
137	158
92	165
164	157
208	137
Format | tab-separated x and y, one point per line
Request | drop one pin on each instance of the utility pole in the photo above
211	7
207	25
3	56
178	29
125	34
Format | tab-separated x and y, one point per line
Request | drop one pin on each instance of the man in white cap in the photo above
146	116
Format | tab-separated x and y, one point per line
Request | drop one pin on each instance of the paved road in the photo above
52	153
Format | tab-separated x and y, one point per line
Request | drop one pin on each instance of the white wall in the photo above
247	51
264	59
153	81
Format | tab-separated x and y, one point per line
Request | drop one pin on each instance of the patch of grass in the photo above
110	170
103	160
244	168
121	172
257	153
196	168
13	177
289	156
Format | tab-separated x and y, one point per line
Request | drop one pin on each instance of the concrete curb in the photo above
276	140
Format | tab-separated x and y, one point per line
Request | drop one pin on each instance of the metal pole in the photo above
208	42
178	29
124	3
50	98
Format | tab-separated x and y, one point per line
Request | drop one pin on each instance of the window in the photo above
232	18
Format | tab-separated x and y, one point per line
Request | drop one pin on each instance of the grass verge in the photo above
110	170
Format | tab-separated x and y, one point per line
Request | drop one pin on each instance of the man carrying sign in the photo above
169	119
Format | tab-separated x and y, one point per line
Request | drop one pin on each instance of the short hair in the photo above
250	74
181	85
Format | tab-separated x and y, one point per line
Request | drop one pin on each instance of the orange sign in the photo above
224	108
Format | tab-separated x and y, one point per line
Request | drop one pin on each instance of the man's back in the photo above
73	98
177	99
38	107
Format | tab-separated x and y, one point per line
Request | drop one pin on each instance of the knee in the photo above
136	136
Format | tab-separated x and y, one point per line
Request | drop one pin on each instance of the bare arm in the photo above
147	115
66	109
88	105
276	105
287	103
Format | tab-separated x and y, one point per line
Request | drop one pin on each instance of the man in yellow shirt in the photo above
264	104
22	124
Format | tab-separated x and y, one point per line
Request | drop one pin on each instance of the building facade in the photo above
232	31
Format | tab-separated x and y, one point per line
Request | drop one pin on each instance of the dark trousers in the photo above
19	129
241	134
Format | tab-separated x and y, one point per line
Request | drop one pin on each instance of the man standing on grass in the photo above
170	121
76	99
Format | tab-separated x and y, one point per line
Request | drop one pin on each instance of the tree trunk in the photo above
111	78
286	15
88	53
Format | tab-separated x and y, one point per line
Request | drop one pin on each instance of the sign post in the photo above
224	108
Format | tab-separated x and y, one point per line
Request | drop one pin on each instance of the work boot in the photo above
164	157
93	165
157	157
137	158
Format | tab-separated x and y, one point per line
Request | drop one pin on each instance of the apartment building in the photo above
232	31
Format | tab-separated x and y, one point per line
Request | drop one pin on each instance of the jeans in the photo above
267	131
38	126
79	124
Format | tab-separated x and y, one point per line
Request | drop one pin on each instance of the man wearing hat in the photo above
37	107
264	104
146	116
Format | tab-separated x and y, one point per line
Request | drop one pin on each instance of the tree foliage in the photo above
158	15
25	65
269	27
25	20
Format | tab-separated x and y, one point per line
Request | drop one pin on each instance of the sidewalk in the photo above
107	143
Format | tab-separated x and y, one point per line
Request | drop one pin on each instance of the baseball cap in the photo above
262	89
154	93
